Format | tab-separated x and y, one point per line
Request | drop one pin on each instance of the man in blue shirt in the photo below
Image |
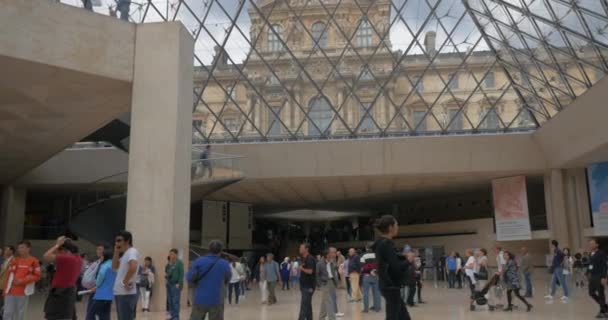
450	263
272	277
209	274
558	272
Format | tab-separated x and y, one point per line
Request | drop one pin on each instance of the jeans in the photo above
395	307
236	288
145	293
200	311
306	304
15	307
528	280
174	294
263	291
327	305
558	275
349	290
272	298
285	284
451	278
411	293
125	304
99	309
371	282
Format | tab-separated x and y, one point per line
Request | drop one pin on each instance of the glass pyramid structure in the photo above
339	69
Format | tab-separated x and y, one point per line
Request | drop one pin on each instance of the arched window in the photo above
320	35
274	42
364	35
320	114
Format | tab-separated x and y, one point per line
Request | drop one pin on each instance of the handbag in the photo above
482	274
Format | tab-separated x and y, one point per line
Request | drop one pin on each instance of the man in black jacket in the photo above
597	277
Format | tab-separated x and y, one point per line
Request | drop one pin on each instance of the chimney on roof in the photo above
429	43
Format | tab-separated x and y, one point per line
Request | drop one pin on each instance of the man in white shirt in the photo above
125	262
469	270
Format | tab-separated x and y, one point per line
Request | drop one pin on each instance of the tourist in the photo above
482	273
174	274
568	266
209	274
354	272
349	291
410	291
206	164
294	275
597	277
579	270
245	275
340	263
391	269
333	293
22	273
526	269
459	270
259	276
451	268
369	274
511	276
89	277
235	282
100	304
123	6
470	267
7	256
125	263
272	277
61	302
557	272
307	282
87	4
419	263
147	277
285	270
326	284
496	295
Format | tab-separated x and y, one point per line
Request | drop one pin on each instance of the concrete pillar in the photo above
577	207
158	205
555	198
12	215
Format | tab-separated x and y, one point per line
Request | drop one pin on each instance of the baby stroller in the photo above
479	297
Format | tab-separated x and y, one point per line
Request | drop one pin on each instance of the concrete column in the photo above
12	215
158	205
555	198
577	209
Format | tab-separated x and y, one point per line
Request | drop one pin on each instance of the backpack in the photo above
89	278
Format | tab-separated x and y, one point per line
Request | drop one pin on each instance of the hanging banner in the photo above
598	193
511	209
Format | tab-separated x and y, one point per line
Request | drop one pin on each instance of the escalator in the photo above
99	217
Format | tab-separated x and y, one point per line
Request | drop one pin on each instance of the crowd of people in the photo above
115	277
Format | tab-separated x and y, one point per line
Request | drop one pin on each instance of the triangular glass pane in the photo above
598	28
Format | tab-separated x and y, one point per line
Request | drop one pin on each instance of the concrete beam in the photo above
67	37
445	155
578	135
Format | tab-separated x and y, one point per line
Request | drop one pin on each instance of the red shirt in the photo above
68	268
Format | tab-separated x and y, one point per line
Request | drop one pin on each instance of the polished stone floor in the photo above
443	303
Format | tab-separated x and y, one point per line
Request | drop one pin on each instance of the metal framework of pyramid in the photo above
294	69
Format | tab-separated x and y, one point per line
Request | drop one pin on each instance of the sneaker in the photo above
339	314
600	315
564	298
549	297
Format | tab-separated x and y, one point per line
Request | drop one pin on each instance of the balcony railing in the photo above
219	166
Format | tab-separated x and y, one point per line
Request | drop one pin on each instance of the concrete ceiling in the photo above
44	109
